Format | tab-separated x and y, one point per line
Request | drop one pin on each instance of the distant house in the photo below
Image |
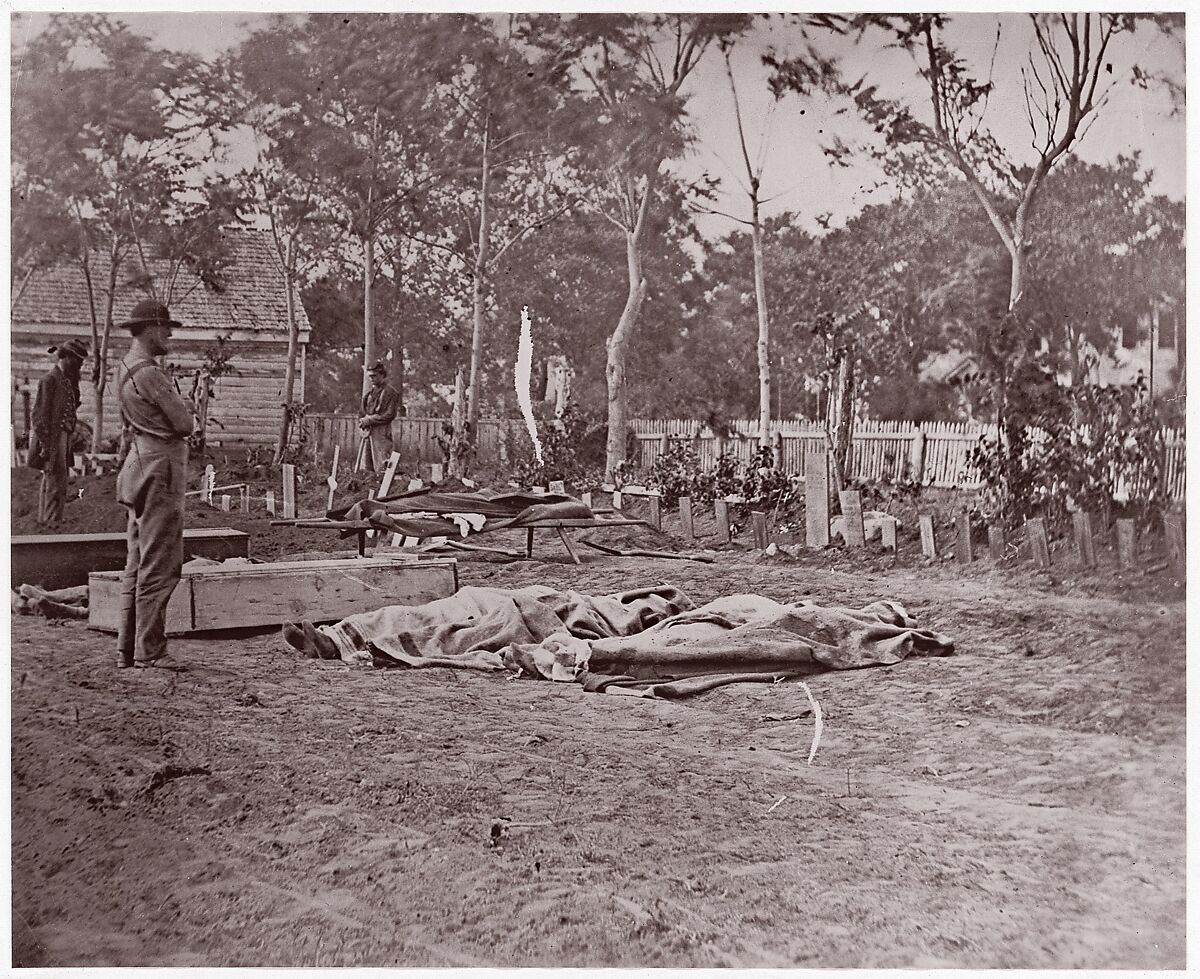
248	309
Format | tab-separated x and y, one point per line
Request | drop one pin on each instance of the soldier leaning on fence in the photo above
54	417
379	408
151	485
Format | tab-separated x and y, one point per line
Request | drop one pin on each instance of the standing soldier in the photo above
379	407
54	416
151	484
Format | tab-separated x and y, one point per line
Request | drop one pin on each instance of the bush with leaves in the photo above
1089	447
570	449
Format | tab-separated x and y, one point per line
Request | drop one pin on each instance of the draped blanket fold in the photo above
647	639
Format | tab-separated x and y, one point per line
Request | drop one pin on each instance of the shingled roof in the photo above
251	296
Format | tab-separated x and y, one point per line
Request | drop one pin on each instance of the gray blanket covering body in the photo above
654	634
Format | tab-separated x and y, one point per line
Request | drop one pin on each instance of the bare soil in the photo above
1019	804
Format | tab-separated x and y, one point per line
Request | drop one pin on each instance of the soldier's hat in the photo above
148	313
71	348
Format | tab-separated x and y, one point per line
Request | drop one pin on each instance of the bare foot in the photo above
293	635
321	643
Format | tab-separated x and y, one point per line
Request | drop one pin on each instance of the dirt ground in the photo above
1019	804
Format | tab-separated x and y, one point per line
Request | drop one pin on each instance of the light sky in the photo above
796	173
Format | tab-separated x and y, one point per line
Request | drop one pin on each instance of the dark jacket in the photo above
54	410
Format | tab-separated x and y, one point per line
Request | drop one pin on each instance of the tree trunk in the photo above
368	310
457	464
100	369
764	330
841	417
289	377
617	346
478	291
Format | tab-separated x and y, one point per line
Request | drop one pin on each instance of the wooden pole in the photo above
685	517
1127	556
758	521
289	491
721	508
1039	545
1085	542
962	545
816	499
852	518
928	541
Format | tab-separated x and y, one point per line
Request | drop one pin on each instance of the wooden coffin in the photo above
65	560
269	594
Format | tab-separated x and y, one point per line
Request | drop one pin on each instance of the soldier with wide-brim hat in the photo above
55	414
379	407
151	485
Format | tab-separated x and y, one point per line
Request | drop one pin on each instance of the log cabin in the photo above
246	308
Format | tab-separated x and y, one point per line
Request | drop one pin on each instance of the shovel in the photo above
332	480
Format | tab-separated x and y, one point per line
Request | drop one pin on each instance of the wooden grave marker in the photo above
226	502
928	541
963	551
721	511
1039	544
558	486
209	484
332	478
655	511
1085	542
271	502
1176	543
888	532
852	518
289	491
816	499
617	500
587	499
436	472
1127	556
758	521
685	517
996	542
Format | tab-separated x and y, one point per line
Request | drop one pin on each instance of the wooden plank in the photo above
996	545
587	499
928	541
685	517
104	604
963	551
888	531
289	491
655	511
816	499
436	472
1176	543
332	479
210	484
389	476
65	560
1085	541
270	594
1127	556
758	521
1039	545
851	501
721	510
617	500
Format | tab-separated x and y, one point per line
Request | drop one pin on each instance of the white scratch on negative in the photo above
819	723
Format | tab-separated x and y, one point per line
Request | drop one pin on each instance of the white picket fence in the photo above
931	453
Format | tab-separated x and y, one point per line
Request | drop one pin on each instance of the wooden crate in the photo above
214	598
66	560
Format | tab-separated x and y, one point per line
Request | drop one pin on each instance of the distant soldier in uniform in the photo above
151	484
54	415
379	408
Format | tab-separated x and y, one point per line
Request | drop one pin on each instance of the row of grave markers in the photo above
817	528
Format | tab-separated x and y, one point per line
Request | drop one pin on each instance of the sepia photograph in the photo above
398	396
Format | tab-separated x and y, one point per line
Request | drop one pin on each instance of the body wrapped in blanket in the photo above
652	641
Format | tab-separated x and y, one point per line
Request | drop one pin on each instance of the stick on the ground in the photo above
703	558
